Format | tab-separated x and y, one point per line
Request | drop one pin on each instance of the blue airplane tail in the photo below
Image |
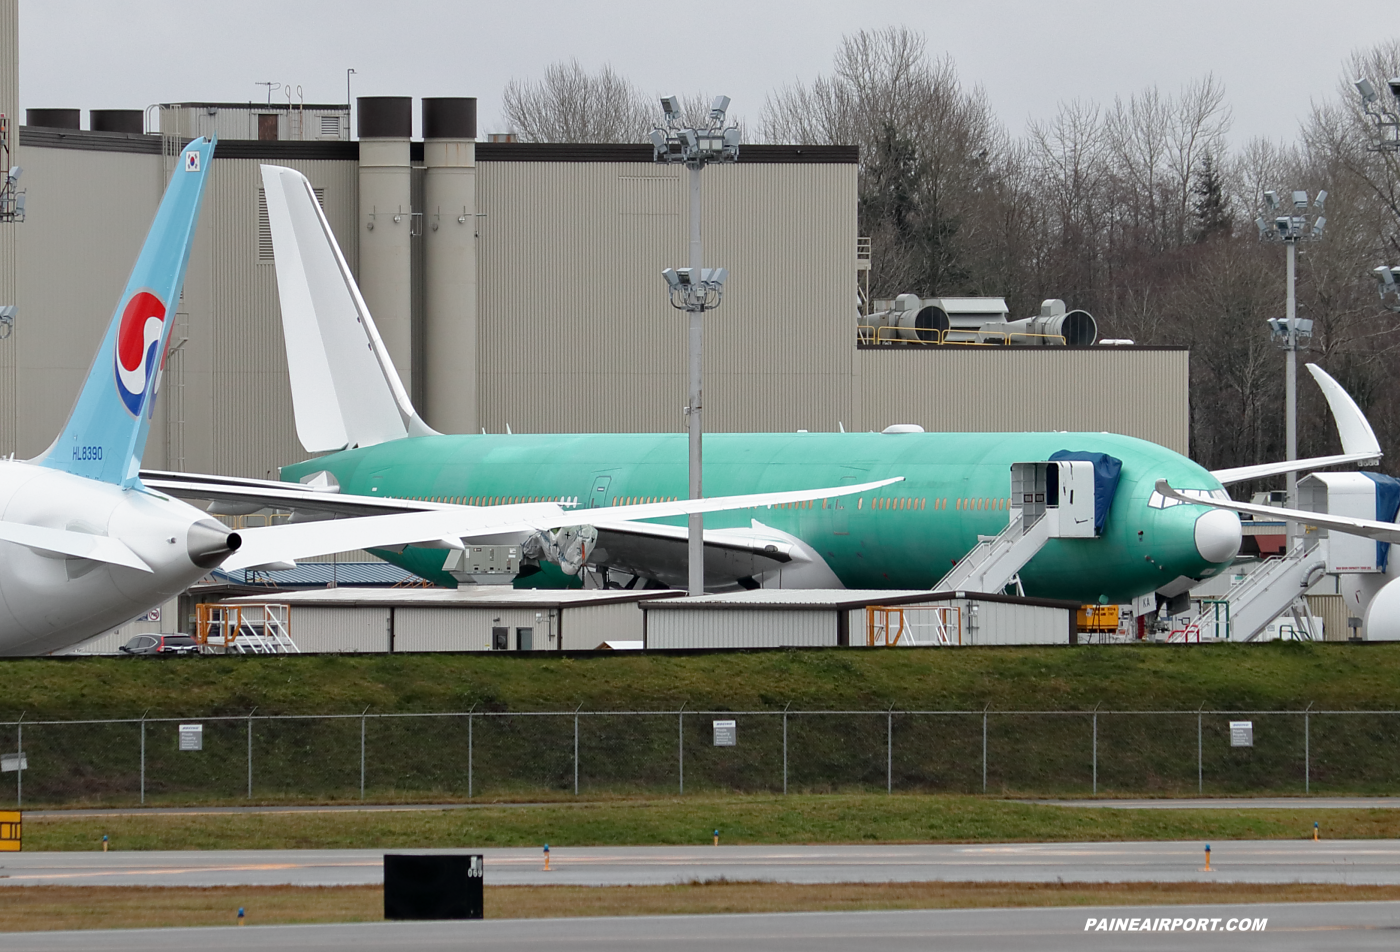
105	436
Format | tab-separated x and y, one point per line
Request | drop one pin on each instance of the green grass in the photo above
856	818
516	756
1278	675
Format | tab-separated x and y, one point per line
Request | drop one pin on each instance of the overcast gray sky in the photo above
1273	57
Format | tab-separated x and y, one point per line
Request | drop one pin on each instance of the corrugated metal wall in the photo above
585	627
1004	623
327	629
740	628
1333	611
1142	393
576	331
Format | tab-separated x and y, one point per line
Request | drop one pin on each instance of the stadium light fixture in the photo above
1290	332
695	289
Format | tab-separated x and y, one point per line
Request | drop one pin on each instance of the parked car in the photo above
161	645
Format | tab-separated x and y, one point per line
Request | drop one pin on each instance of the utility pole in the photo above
695	289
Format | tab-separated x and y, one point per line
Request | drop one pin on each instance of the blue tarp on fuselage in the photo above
1387	506
1106	472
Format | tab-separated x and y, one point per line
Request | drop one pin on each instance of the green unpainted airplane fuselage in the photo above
907	535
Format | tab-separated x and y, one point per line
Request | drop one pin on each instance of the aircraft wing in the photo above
78	545
1359	443
446	526
1370	528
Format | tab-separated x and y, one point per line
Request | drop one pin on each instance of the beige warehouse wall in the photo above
9	265
576	331
1142	393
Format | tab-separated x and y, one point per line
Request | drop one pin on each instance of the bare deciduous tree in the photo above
572	105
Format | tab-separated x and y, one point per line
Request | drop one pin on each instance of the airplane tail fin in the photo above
345	390
105	435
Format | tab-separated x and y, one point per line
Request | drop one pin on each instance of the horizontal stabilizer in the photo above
77	545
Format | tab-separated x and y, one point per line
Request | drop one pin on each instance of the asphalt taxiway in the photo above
1370	862
1289	927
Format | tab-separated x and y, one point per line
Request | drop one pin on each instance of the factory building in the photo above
516	285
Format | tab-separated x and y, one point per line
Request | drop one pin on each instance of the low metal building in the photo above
781	618
489	618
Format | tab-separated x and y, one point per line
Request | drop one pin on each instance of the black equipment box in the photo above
432	887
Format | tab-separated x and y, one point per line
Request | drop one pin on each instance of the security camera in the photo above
731	138
690	139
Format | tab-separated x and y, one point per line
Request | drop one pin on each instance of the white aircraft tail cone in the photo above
1218	535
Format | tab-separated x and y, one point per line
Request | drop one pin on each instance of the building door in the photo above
524	639
500	639
267	127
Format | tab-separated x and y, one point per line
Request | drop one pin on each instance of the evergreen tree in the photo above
1212	209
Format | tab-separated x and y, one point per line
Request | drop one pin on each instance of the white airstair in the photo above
993	562
1043	506
1276	587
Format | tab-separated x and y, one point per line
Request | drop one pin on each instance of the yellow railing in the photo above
869	333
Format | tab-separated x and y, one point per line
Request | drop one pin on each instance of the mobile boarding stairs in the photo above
1049	500
1278	586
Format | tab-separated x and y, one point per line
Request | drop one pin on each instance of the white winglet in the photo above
1352	425
1359	443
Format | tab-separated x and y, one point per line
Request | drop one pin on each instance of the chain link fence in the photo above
518	754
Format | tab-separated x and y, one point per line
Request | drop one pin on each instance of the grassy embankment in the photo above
36	908
532	757
741	819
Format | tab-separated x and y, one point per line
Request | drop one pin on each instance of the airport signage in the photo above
726	733
1241	733
11	826
9	763
191	736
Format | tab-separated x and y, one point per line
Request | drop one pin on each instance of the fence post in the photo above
889	751
785	748
143	759
19	762
250	753
1307	750
362	752
680	746
576	749
1096	750
984	748
1200	772
471	719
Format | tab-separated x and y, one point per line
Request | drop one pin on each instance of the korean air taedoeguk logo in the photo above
138	339
192	161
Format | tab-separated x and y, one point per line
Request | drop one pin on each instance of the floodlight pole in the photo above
1291	384
695	538
694	290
